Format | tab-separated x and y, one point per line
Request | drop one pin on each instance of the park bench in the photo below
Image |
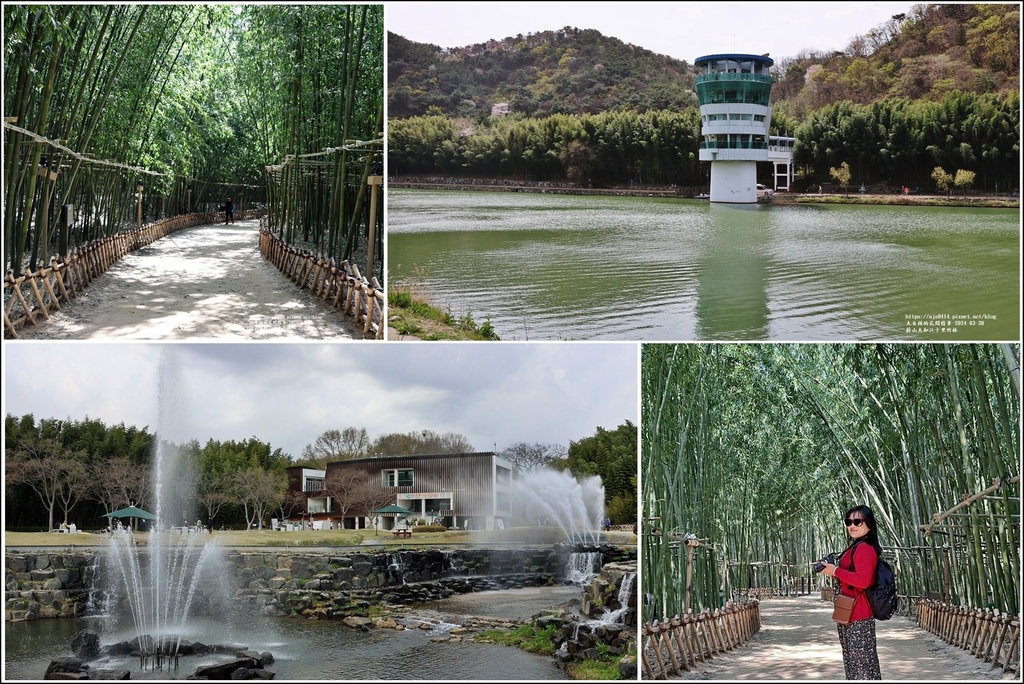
401	533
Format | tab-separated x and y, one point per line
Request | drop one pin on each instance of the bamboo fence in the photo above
340	285
679	643
29	299
989	635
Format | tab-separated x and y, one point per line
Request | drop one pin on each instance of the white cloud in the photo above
287	394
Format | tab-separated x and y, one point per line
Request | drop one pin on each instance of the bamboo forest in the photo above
751	454
119	115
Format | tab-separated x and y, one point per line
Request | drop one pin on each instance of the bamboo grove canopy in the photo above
754	452
125	113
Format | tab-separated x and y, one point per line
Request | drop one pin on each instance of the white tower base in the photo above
734	182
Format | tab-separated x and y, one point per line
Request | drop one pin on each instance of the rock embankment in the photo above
324	585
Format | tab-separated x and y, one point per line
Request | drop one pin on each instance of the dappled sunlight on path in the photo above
199	283
798	641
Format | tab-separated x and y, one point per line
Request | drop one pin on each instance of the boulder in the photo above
357	622
226	669
63	665
86	645
110	675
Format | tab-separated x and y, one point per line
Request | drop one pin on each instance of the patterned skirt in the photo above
860	655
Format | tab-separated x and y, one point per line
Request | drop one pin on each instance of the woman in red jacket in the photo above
856	572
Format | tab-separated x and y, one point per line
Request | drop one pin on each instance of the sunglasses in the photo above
855	522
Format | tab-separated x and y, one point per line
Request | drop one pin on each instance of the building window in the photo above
503	475
314	484
397	478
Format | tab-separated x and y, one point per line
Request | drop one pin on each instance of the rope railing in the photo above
677	644
990	636
29	298
340	285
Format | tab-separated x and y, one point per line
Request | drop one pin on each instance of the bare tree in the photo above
119	483
530	457
259	491
292	500
374	496
75	487
345	490
51	473
15	465
337	445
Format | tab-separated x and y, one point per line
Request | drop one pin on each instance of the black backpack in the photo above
882	594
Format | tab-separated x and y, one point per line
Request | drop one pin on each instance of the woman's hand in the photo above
829	570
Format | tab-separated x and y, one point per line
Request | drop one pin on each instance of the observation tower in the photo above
735	112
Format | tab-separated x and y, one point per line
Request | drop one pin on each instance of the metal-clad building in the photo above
457	490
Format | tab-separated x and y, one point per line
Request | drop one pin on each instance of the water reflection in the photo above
617	268
732	299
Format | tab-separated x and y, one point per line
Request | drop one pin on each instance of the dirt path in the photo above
798	640
199	283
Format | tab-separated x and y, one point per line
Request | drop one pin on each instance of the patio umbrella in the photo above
131	512
393	509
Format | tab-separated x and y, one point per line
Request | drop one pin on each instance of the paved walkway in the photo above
203	282
798	641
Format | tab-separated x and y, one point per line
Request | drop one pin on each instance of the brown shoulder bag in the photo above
843	608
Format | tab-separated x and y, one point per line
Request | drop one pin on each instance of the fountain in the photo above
557	498
156	585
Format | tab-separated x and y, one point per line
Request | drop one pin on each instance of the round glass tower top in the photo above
734	63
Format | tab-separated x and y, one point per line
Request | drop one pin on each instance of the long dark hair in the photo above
869	519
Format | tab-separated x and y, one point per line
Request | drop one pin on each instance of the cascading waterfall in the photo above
582	567
625	590
395	569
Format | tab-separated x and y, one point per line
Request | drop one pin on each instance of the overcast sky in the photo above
684	30
495	394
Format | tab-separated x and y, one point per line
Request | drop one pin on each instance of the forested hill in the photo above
568	71
923	54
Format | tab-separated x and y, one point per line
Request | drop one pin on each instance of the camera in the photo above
820	565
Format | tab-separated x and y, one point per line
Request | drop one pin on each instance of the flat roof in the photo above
763	59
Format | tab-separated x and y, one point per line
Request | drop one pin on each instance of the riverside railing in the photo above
989	635
339	285
672	646
29	298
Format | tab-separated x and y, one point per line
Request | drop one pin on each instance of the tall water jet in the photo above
552	497
157	584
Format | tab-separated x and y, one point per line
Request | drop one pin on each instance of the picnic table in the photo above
401	533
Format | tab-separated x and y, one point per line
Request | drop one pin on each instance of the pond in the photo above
552	267
310	649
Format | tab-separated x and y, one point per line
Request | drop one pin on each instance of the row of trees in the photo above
900	141
186	104
757	450
611	148
81	470
311	78
895	141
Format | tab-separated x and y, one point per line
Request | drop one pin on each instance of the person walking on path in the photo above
229	212
855	572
